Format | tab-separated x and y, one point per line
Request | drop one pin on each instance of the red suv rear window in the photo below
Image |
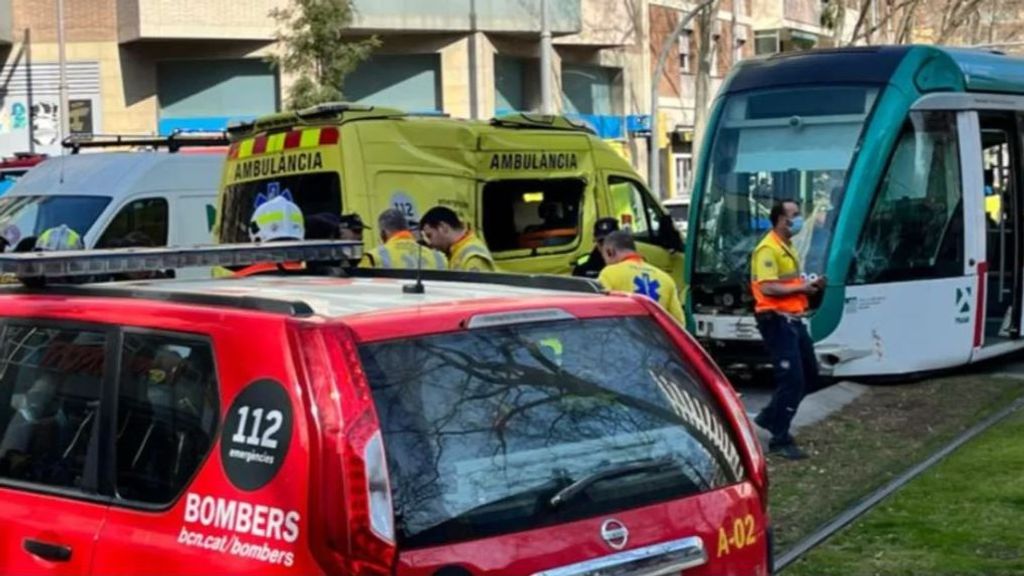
486	430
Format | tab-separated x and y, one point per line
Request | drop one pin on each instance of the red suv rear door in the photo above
521	447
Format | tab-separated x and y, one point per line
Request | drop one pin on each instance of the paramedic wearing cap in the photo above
351	226
590	266
626	271
781	300
443	231
399	248
276	220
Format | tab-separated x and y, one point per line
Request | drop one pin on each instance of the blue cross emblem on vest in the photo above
643	284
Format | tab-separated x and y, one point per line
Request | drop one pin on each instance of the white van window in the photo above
530	214
22	218
140	223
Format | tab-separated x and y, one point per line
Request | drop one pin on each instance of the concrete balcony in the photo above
196	19
500	16
250	20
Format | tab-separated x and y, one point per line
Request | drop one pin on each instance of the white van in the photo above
168	199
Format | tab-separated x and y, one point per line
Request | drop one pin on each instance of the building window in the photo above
766	43
686	52
509	85
409	82
684	175
589	89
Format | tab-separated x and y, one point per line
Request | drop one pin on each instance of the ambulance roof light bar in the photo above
33	266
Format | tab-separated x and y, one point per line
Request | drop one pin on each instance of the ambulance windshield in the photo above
484	427
318	195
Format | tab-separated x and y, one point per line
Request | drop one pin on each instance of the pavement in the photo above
814	408
823	403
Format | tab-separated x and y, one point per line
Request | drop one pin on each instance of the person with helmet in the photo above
626	271
444	231
276	220
399	248
590	266
59	239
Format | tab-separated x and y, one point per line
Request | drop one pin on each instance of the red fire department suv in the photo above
285	424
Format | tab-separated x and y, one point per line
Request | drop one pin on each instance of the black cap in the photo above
604	227
352	222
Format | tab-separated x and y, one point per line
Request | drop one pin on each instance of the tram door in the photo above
1001	154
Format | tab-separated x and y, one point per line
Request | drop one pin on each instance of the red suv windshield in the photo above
503	429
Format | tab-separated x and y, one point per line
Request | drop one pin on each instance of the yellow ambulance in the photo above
531	186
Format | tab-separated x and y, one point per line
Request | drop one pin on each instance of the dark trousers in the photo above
795	370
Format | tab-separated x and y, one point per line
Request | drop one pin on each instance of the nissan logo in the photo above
615	534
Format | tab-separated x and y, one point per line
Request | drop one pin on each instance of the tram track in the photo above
846	517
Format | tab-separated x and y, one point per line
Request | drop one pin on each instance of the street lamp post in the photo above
654	165
474	111
64	112
545	59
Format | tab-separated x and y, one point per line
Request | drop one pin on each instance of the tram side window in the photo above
915	229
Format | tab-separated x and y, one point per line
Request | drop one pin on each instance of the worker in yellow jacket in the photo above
399	248
443	230
626	271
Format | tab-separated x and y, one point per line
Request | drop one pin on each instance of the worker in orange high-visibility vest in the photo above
277	219
781	293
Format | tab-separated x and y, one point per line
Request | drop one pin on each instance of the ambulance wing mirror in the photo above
668	236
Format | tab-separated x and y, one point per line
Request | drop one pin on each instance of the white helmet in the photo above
277	219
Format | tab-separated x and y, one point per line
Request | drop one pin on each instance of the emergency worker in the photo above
590	266
399	248
58	239
781	300
443	231
61	239
626	271
277	220
351	226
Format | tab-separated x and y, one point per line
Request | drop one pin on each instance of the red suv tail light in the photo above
352	519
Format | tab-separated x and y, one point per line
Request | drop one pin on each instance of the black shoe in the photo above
762	420
788	450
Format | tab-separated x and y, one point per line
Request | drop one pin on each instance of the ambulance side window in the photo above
49	403
166	415
532	214
632	206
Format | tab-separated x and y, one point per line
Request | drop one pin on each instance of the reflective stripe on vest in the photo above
470	251
409	260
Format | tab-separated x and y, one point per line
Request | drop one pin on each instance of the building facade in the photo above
153	66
